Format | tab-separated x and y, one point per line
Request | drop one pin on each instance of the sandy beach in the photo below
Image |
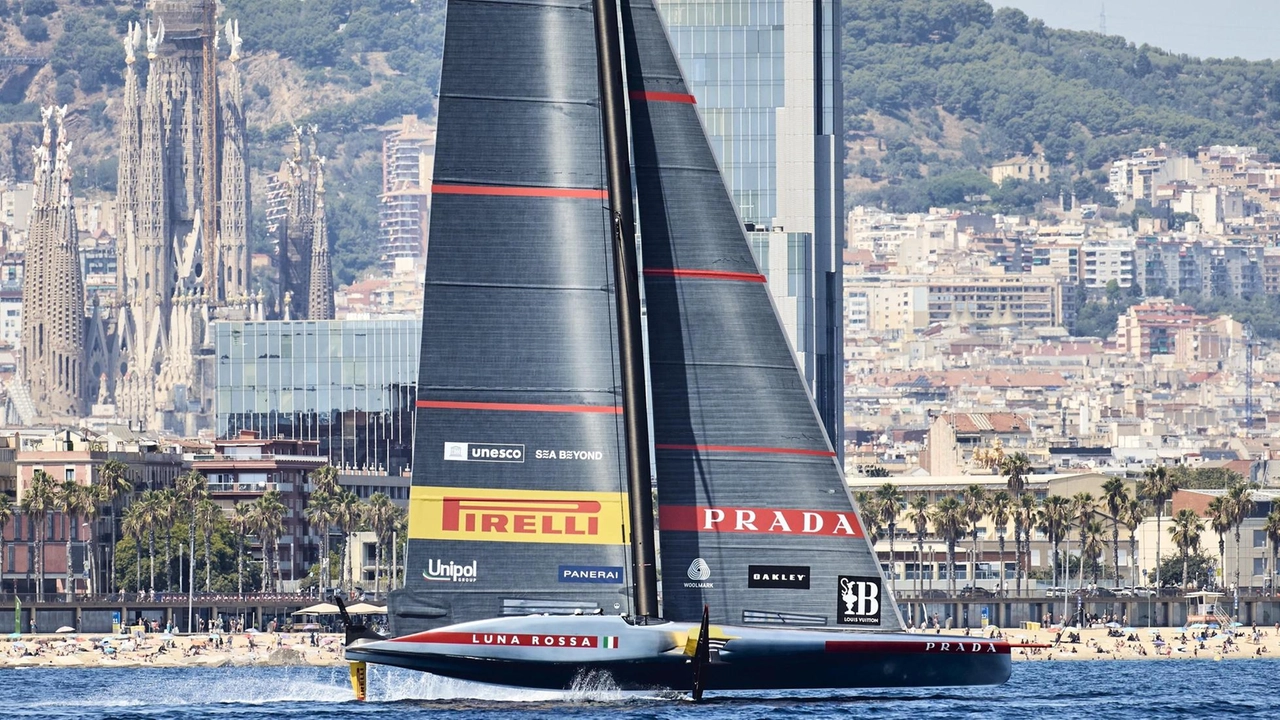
164	650
325	650
1145	644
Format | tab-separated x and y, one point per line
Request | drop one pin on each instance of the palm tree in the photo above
207	516
1131	516
268	516
949	521
889	499
1240	503
6	515
166	510
975	508
1186	536
1092	545
37	502
70	499
1015	468
382	520
134	525
348	515
242	522
1000	506
1024	520
1158	486
1115	496
868	509
1083	503
113	478
190	488
151	513
1272	529
320	514
324	479
918	516
94	499
1220	523
1055	516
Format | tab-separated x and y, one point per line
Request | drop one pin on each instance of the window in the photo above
70	474
1259	538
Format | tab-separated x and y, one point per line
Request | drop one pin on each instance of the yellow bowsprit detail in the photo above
360	680
533	516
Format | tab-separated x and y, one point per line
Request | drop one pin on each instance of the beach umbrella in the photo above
1237	624
1198	626
321	609
309	626
15	635
1159	643
20	645
1113	624
253	631
65	629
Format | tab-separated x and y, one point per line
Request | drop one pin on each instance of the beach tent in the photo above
321	609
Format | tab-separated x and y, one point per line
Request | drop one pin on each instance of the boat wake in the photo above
388	684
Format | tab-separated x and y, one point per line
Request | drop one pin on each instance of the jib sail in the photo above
755	519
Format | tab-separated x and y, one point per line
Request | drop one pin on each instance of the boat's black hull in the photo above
862	670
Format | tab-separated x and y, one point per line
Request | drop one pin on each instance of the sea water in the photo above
1098	690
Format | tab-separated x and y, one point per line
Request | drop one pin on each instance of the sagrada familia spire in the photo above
54	361
306	279
183	241
177	268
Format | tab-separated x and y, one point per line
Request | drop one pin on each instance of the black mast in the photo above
630	346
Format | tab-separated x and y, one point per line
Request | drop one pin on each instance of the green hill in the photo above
935	91
946	87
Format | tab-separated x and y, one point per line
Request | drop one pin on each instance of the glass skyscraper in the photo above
766	74
349	384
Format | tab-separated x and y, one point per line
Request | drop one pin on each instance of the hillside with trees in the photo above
935	92
946	87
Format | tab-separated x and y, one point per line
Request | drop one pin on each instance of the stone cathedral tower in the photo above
178	269
54	371
306	280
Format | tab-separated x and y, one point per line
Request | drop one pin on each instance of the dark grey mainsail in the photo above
755	519
518	502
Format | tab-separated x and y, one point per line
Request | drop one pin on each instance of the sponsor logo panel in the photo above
484	452
859	601
579	455
539	516
883	647
790	577
589	574
773	521
699	574
449	571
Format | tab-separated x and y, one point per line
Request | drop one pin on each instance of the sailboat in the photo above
547	402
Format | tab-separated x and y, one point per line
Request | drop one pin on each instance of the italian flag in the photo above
610	642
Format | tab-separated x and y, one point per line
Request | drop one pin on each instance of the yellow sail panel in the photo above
533	516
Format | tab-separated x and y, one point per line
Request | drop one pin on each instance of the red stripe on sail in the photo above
519	407
762	521
747	449
653	96
508	191
704	274
942	644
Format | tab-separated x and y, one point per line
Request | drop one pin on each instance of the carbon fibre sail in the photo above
518	504
755	519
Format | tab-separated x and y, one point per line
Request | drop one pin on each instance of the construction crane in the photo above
209	148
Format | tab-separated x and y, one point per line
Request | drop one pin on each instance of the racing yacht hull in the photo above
558	652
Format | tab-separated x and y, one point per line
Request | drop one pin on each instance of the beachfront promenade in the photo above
105	613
